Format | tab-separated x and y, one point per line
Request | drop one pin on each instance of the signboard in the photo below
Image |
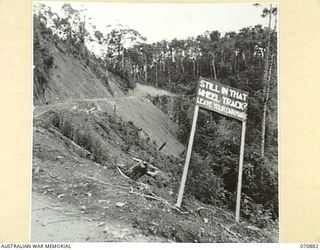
227	101
223	99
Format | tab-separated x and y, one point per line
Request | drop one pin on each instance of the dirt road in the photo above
54	221
138	92
135	107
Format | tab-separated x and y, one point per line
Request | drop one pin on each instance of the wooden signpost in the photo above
228	101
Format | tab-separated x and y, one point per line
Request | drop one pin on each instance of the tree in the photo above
77	20
268	65
121	37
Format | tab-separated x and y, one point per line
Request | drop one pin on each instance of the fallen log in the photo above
127	177
138	170
147	163
102	182
152	173
157	198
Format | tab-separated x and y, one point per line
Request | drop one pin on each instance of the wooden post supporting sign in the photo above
186	164
243	135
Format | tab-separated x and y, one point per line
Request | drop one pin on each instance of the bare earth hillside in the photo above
73	79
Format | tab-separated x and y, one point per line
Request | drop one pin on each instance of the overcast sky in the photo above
167	21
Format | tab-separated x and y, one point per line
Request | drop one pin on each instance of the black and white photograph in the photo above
155	122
